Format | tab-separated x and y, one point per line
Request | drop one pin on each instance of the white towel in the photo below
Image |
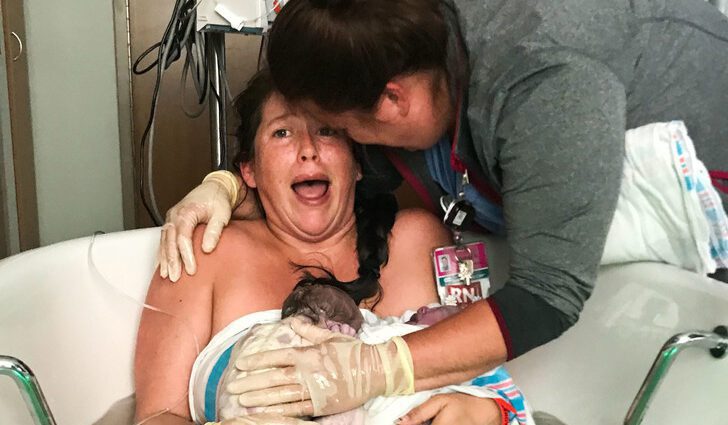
209	356
668	210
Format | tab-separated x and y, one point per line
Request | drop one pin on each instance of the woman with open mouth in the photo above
304	175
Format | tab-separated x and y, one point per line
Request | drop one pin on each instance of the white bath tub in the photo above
78	337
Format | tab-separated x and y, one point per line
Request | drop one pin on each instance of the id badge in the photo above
451	289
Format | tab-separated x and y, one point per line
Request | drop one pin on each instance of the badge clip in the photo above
459	213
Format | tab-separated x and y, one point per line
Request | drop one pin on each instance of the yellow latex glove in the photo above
336	374
211	202
263	419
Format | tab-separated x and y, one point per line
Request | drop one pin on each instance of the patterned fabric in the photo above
695	177
499	380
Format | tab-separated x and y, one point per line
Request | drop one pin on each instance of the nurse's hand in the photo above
211	202
263	419
455	408
336	374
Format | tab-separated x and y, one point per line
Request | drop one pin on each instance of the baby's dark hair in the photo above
322	299
375	212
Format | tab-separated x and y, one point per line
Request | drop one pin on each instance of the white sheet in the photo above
668	210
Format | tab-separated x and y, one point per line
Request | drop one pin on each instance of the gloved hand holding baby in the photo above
318	313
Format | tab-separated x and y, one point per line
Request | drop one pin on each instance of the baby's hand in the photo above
341	328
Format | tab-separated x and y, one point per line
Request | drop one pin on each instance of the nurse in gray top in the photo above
532	99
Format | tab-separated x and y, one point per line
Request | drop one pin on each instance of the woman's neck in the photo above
338	246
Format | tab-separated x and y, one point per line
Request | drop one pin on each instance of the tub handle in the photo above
719	350
715	342
29	388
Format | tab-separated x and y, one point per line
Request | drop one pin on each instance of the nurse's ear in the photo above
394	103
247	171
412	99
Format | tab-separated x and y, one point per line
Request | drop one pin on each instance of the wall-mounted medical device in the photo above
196	34
253	16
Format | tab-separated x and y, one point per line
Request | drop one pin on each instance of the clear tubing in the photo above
98	276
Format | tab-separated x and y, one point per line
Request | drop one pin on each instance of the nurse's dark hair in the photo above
341	53
375	212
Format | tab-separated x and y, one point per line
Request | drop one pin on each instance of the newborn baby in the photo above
323	305
330	307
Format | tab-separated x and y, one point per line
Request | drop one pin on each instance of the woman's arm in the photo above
168	342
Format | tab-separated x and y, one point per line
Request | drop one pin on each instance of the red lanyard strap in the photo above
459	166
720	180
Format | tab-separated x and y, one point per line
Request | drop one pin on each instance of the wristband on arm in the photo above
227	180
505	409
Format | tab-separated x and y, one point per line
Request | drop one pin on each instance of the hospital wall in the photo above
72	72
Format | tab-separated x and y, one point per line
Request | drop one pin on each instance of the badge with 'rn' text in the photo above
461	279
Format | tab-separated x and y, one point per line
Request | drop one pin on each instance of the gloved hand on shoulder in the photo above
211	202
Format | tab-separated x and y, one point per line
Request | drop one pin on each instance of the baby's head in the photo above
321	303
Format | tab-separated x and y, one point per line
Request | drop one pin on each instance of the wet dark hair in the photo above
341	53
375	213
317	300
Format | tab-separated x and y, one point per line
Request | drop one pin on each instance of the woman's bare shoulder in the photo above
236	235
415	226
408	279
237	238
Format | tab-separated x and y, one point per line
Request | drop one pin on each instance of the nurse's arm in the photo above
561	155
473	334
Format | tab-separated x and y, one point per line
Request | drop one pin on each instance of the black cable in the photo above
150	122
179	34
134	68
